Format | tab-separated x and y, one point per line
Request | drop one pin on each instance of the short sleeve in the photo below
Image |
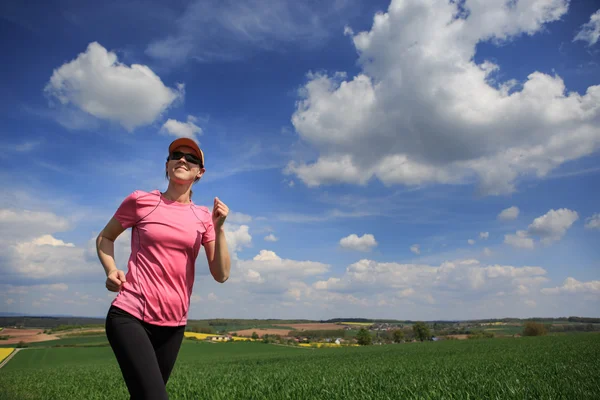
209	235
126	214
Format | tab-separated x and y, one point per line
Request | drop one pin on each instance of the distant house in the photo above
220	338
338	341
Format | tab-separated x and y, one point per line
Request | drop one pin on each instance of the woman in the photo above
146	320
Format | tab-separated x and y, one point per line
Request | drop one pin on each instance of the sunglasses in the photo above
191	158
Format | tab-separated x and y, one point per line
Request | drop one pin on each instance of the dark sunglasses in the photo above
189	157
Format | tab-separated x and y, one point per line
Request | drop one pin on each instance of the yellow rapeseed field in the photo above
5	353
357	323
204	336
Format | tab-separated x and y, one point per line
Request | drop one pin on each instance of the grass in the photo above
551	367
98	340
505	330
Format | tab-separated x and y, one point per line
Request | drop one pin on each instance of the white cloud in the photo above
487	252
30	250
422	111
430	284
573	286
590	31
593	222
182	129
271	238
25	224
237	237
520	240
509	213
98	84
267	265
471	242
484	235
49	240
415	249
550	227
238	218
366	242
21	290
553	225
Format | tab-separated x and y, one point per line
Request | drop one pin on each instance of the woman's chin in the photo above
182	179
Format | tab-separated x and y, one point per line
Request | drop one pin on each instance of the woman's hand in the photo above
219	214
115	280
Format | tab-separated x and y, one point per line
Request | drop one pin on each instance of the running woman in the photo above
146	320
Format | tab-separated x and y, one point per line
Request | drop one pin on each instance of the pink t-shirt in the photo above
165	240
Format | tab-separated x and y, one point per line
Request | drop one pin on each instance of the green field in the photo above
87	340
551	367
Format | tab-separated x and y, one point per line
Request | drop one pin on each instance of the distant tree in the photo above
364	337
398	336
421	331
534	329
254	335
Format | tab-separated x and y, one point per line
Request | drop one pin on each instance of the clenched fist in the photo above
219	214
115	280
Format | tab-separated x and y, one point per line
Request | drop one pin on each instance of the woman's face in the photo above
180	169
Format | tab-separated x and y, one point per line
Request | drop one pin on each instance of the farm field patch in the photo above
547	367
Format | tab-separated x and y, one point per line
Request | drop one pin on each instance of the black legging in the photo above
146	353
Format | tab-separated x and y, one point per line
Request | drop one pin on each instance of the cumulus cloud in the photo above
49	240
415	249
271	238
553	225
237	237
32	252
422	111
365	242
98	84
267	263
509	213
549	227
471	242
182	129
18	224
590	31
484	235
430	284
573	286
520	240
593	222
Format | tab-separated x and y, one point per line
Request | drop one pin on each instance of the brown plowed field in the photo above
25	335
314	327
459	337
260	332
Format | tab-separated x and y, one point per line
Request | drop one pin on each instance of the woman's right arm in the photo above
105	248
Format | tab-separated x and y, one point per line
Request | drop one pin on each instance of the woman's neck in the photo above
178	193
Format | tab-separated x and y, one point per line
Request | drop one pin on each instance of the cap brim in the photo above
189	143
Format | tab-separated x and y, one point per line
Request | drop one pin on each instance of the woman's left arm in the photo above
217	253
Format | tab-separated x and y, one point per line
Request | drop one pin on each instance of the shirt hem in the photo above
135	313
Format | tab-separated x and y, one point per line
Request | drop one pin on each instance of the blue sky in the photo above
409	160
